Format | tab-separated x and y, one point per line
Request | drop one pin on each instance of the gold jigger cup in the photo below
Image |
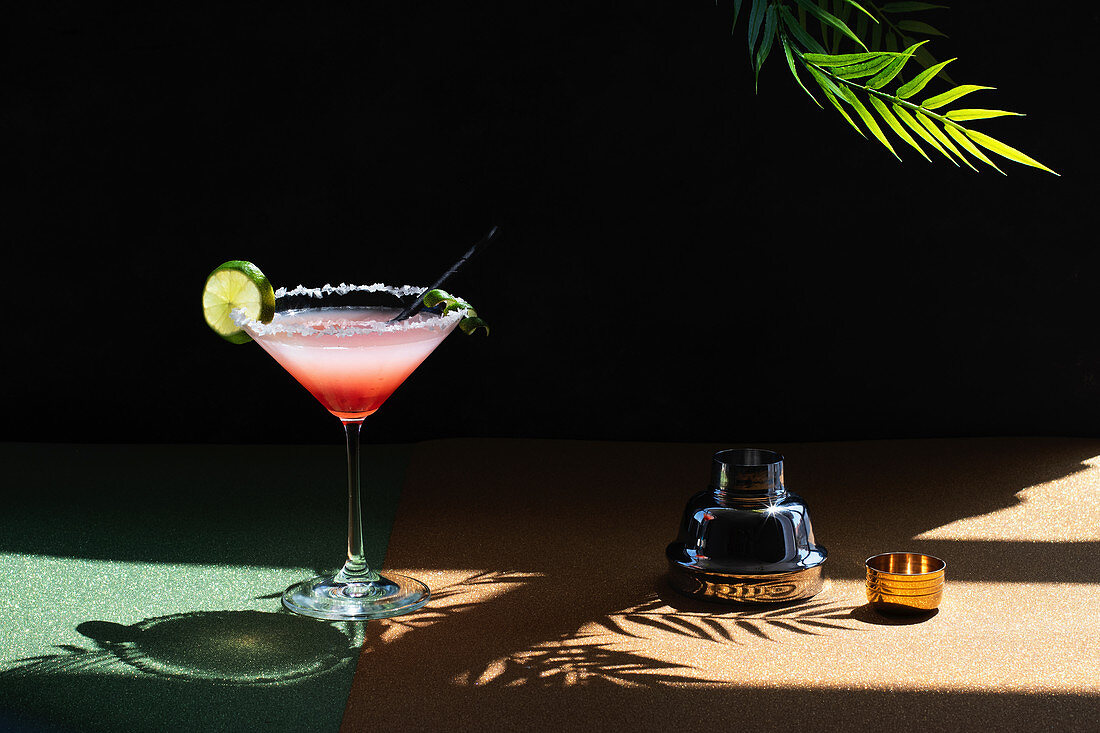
905	582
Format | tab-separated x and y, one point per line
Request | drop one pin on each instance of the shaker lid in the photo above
747	473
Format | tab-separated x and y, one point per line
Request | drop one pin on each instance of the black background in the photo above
681	259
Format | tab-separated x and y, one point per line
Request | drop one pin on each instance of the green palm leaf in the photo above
950	96
907	7
830	20
918	26
765	44
964	142
979	114
831	92
860	8
942	138
920	80
868	120
1005	151
789	55
800	34
867	68
890	119
905	116
828	60
756	22
887	75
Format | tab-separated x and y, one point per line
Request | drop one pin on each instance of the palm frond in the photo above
840	75
857	83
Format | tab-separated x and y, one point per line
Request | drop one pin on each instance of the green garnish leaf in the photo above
469	323
472	323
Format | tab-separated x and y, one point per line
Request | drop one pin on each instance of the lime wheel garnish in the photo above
236	285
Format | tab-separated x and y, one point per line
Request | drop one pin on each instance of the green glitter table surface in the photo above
139	585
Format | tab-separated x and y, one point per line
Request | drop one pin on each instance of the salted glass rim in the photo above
422	320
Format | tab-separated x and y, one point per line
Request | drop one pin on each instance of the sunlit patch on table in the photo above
1066	509
453	592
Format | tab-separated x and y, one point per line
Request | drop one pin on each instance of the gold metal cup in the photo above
905	582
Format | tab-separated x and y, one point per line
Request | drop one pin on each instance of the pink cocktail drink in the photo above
351	359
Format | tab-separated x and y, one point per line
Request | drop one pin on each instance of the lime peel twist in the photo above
469	324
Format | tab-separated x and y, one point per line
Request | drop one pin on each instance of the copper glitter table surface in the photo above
552	611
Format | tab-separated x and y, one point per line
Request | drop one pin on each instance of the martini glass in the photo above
341	344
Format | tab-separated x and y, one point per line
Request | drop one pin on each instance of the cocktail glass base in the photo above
328	598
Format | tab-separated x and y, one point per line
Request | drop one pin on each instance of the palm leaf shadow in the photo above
436	611
570	664
578	658
73	659
721	624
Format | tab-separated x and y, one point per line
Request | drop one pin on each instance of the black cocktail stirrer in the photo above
413	308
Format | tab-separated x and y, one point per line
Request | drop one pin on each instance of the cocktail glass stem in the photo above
356	568
357	592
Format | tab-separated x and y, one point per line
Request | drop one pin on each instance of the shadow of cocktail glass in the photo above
225	647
